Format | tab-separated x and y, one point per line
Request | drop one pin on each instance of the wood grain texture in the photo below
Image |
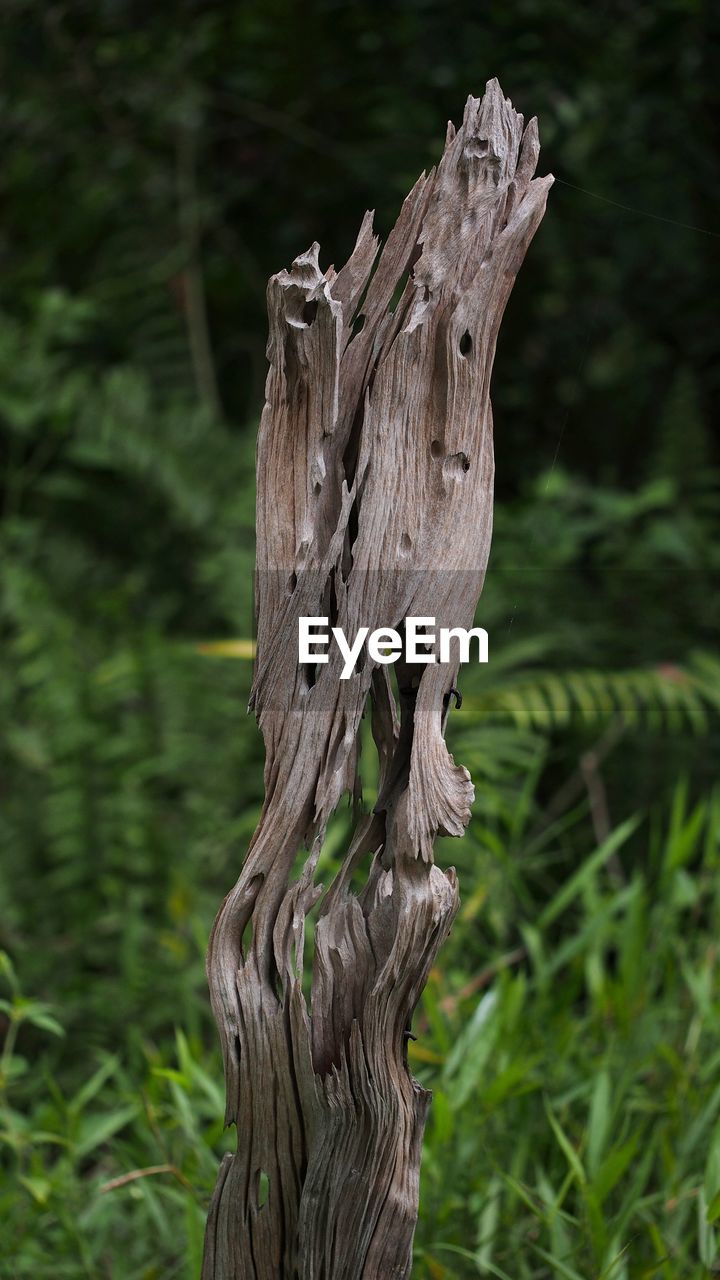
374	503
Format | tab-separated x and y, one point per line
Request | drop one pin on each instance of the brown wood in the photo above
374	503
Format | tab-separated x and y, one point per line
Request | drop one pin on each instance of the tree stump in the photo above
374	504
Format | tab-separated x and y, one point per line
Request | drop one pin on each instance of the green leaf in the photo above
613	1167
566	1146
39	1188
599	1120
574	886
93	1086
96	1130
37	1016
713	1209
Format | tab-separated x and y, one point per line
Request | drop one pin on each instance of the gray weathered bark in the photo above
374	503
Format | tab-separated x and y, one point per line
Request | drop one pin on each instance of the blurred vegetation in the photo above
157	166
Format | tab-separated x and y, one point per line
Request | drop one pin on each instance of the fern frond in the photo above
667	697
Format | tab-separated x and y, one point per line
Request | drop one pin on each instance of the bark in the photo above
374	503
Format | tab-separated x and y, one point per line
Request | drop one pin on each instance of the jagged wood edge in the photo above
375	473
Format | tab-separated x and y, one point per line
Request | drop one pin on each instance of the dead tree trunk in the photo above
374	503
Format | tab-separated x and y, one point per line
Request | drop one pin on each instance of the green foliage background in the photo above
158	163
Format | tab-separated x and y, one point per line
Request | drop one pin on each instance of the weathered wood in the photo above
374	503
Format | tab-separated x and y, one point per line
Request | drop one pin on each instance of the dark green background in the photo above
158	162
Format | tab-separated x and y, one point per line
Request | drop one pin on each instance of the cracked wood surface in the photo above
374	503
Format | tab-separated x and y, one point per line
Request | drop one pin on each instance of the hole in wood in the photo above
360	875
330	601
436	449
399	290
477	148
339	749
456	465
309	312
350	456
276	982
407	1036
291	583
353	528
310	673
465	344
263	1188
246	939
